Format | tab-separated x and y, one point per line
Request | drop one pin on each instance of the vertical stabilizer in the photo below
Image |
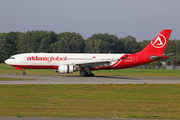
158	44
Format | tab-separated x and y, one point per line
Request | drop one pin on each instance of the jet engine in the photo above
63	69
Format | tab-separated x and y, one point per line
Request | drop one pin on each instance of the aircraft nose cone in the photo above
7	61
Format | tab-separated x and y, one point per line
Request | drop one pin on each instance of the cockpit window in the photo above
12	58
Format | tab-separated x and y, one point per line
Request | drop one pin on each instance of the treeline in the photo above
50	42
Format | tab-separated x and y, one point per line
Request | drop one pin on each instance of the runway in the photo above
76	79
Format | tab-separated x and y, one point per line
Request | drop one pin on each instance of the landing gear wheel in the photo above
24	73
92	75
86	74
89	75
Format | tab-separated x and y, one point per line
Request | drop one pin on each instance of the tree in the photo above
4	49
68	43
130	44
171	47
45	45
11	40
31	41
169	62
177	47
103	43
92	46
25	44
52	36
144	44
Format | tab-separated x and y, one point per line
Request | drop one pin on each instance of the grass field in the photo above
160	101
122	72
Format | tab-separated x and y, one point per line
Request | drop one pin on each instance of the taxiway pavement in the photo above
76	79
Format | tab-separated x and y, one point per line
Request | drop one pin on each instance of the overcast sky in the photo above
142	19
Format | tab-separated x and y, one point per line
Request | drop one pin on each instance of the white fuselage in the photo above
54	59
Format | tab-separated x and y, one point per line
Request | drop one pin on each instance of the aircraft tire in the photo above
92	75
86	74
24	73
89	75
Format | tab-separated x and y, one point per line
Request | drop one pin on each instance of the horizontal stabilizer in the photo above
157	57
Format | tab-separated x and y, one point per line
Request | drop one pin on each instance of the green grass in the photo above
160	101
122	72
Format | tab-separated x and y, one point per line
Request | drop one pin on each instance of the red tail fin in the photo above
158	44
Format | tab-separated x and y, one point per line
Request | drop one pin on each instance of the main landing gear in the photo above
86	72
24	73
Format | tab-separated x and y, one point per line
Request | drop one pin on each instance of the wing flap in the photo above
94	63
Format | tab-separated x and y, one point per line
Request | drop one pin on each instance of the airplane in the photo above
64	63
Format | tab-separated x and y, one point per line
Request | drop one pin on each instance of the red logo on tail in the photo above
159	42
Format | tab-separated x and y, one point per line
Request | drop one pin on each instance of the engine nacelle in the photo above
63	69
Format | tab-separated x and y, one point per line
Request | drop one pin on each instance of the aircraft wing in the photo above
99	63
157	57
95	63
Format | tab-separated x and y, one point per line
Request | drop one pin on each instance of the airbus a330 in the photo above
65	63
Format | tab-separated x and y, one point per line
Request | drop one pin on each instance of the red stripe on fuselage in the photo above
36	66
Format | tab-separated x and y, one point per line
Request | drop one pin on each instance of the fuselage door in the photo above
22	59
135	58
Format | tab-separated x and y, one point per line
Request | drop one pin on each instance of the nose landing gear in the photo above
24	73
